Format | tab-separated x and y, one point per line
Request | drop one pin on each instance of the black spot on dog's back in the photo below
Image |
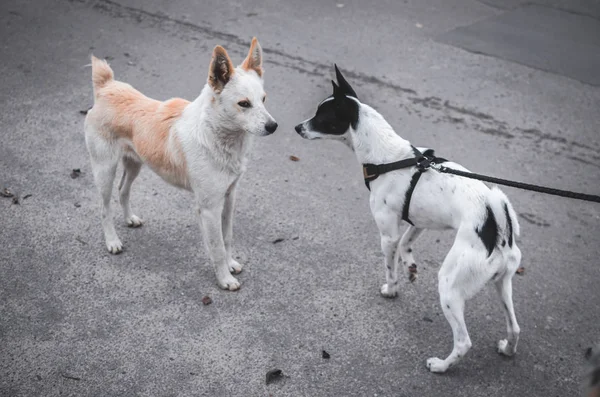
509	226
488	232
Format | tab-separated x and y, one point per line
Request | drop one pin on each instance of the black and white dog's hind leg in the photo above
508	346
454	291
473	260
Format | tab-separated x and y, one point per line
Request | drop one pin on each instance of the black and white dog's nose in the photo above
298	128
271	127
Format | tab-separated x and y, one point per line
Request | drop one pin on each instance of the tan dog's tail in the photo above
102	74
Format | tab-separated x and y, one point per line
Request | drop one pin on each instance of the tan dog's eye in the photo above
244	104
264	98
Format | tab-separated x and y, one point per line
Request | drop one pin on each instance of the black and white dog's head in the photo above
335	114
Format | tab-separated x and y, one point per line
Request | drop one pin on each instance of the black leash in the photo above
520	185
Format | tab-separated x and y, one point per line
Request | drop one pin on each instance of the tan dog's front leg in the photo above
227	219
212	233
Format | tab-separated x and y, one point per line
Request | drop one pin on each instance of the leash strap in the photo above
520	185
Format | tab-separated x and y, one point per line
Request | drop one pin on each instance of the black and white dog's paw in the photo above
436	365
388	292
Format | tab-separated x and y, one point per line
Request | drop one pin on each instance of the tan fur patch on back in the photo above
125	113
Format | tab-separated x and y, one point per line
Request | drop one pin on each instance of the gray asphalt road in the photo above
76	321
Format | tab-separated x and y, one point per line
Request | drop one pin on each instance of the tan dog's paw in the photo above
229	283
235	267
114	246
134	221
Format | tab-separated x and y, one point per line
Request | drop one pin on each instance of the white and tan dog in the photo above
199	146
484	248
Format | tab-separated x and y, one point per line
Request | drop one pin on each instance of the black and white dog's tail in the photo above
506	218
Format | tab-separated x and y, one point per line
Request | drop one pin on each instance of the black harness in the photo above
422	162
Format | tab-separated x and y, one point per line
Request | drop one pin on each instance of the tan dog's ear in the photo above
221	69
254	59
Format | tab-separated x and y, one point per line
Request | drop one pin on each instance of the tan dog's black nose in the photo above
271	127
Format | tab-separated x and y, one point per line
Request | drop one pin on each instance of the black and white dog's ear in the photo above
335	86
344	86
345	108
337	91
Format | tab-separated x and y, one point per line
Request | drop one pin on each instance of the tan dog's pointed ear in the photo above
221	69
254	59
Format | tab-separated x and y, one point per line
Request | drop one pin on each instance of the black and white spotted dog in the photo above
484	248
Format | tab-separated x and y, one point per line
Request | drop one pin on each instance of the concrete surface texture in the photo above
542	37
76	321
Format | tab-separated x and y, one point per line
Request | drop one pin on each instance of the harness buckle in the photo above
368	174
436	166
424	163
